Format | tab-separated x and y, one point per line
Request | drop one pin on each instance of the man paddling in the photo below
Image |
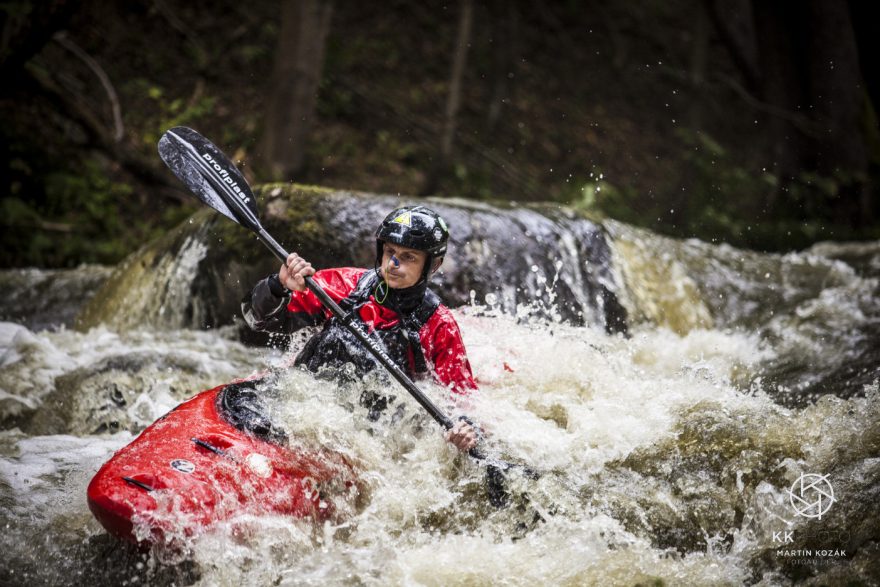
392	301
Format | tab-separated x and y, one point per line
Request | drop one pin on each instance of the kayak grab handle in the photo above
137	483
213	449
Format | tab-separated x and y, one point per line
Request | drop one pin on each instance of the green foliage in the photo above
726	202
380	111
166	111
83	217
600	198
336	102
470	182
176	112
16	9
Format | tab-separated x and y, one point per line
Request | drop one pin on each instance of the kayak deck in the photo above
211	458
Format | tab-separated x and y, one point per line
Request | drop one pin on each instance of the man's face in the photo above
401	266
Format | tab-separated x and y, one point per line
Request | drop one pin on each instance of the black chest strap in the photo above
413	323
410	323
361	292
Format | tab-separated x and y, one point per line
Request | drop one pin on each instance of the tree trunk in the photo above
27	29
736	27
504	24
699	65
837	97
299	61
780	28
453	101
700	46
867	31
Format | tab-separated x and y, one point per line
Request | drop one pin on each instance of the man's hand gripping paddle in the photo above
213	178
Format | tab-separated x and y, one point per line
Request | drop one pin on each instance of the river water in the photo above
668	454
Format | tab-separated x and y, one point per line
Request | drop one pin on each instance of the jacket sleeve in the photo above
444	349
264	310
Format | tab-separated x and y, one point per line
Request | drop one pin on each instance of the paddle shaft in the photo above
347	319
215	180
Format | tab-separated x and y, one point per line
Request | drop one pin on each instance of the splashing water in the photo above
665	458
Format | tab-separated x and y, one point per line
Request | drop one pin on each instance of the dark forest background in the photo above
745	121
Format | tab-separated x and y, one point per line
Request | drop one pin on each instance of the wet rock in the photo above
864	257
817	313
841	546
117	393
696	485
658	288
547	257
160	285
48	298
554	412
817	309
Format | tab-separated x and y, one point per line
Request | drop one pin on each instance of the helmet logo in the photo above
442	223
405	219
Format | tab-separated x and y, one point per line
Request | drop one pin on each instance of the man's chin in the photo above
394	282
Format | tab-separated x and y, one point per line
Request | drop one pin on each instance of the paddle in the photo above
215	180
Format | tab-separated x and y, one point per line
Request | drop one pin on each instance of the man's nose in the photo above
394	261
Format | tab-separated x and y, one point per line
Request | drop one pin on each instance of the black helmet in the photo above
415	227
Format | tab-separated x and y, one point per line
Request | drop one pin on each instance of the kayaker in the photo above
392	301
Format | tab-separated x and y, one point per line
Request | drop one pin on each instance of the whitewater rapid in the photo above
673	451
663	459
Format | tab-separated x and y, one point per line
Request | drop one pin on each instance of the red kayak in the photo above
211	458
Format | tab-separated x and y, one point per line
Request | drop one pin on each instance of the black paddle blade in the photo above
209	174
